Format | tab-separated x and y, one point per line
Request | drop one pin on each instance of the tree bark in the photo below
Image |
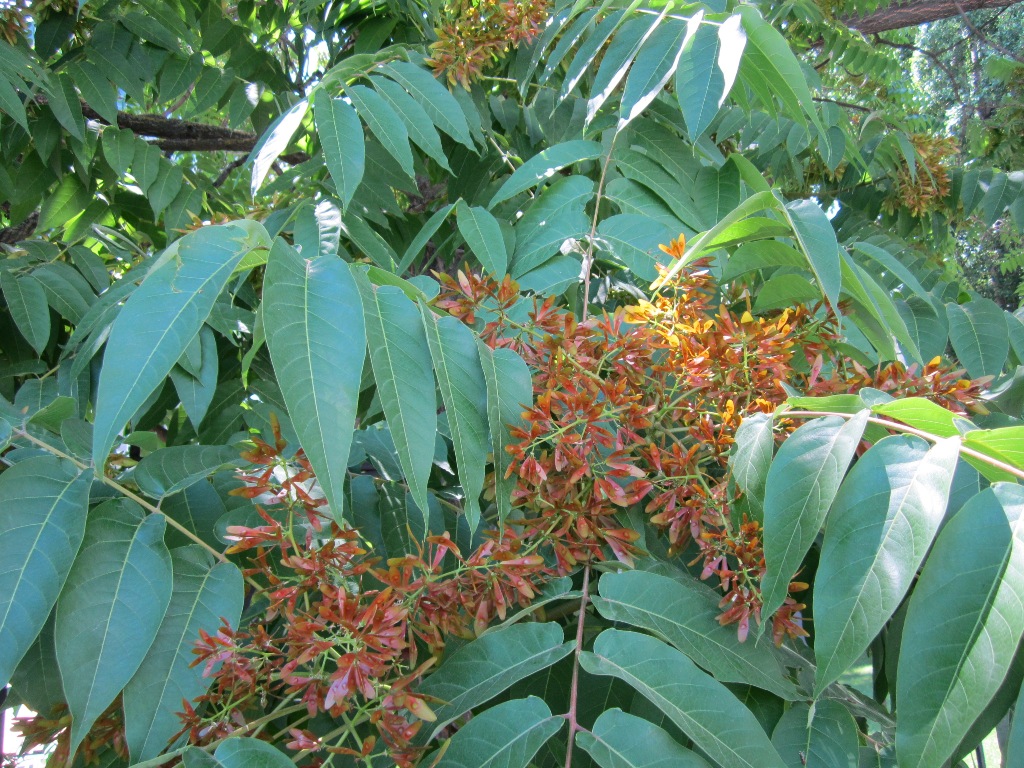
914	12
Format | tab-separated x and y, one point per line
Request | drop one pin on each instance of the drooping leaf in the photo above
621	740
417	121
176	467
654	66
509	390
341	136
43	502
817	239
384	123
481	670
881	524
703	708
111	608
505	736
752	457
26	302
825	738
707	71
686	615
196	392
313	318
964	623
802	482
544	165
274	141
405	379
618	56
460	378
202	596
161	318
484	238
443	108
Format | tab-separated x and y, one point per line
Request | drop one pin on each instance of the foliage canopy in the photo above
503	383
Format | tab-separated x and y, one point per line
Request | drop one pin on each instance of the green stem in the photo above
897	427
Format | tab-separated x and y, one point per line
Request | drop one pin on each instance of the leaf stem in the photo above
574	690
897	427
588	256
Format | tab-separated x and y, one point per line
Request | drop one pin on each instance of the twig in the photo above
846	104
223	176
574	691
930	54
588	256
983	37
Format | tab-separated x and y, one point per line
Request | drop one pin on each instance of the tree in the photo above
435	384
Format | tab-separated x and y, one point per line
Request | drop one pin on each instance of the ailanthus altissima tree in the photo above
501	383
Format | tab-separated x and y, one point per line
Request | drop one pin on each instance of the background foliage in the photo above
510	384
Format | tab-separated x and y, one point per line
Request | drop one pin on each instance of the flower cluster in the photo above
925	187
639	409
475	33
341	633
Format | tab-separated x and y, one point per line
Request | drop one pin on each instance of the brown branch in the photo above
914	12
17	233
848	105
223	175
174	135
931	55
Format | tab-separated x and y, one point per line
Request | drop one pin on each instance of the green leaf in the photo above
111	608
97	90
617	57
423	237
921	413
417	121
165	187
43	501
313	318
480	670
384	123
544	165
196	392
318	230
1015	747
118	148
1005	444
176	467
751	458
250	753
444	110
341	137
484	238
11	103
707	71
460	378
802	482
703	708
66	202
65	105
634	240
685	613
770	56
963	626
825	737
403	371
505	736
979	336
654	66
621	740
26	301
509	390
202	596
881	524
817	239
646	172
274	141
161	318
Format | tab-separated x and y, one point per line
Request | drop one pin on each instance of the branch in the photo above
847	104
985	38
176	135
14	234
914	12
931	55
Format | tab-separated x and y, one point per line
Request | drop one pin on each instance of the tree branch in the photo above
983	38
174	135
914	12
